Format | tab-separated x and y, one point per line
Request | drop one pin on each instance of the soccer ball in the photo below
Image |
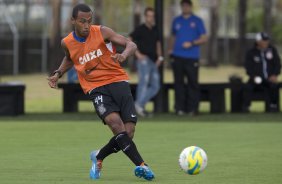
193	160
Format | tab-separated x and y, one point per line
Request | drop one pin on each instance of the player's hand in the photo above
187	45
53	81
118	57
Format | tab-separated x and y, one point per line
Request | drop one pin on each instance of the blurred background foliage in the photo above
41	24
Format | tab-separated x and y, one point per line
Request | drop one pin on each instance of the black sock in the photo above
129	148
111	147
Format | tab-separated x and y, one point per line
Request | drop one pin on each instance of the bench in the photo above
259	95
213	93
72	94
12	99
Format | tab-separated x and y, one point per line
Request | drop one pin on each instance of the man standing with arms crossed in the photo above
102	78
188	33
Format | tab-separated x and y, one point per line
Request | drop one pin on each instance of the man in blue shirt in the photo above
188	33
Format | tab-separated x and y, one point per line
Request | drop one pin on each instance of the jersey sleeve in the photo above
201	27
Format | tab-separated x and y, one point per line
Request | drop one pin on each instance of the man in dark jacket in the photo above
263	66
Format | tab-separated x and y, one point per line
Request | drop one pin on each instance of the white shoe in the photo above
140	111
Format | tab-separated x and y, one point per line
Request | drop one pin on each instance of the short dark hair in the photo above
80	7
148	9
186	2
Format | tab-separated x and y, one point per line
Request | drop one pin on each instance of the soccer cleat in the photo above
144	172
95	171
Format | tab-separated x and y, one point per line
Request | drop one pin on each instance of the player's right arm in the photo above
64	67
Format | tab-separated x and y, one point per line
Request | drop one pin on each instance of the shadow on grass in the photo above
168	117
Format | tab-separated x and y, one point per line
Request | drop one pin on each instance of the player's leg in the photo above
112	146
130	128
143	170
104	106
125	101
122	139
107	108
116	125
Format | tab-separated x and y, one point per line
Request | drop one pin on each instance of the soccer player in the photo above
88	48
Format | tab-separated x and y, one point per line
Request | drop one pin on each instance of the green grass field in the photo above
54	149
47	147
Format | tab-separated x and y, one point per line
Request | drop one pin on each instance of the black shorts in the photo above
114	97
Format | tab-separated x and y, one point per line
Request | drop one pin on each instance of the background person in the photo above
262	64
149	58
188	33
72	75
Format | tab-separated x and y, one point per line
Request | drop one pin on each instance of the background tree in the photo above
241	42
267	18
276	24
55	37
212	43
98	8
137	11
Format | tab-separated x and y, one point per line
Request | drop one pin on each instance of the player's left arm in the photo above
130	47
